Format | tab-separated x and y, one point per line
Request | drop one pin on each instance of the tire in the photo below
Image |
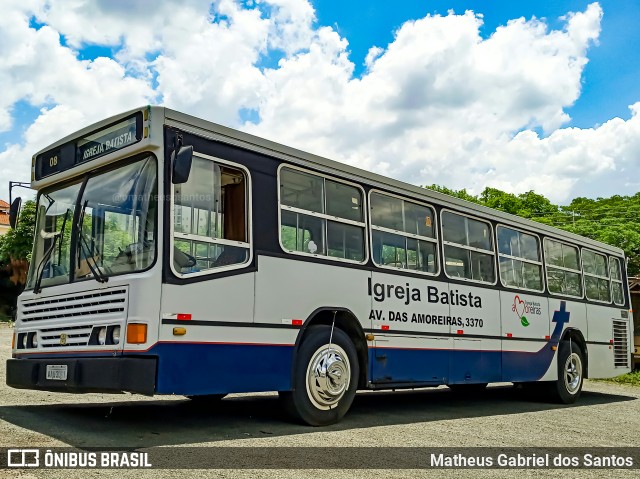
467	388
568	387
318	399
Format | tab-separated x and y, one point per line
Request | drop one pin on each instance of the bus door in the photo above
412	342
475	327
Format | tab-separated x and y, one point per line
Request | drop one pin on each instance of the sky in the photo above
520	96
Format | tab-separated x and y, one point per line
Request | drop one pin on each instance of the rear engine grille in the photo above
620	344
89	305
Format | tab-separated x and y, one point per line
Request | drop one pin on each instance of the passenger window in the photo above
615	273
344	201
562	261
320	216
596	276
345	241
468	248
519	255
302	233
301	190
386	212
210	218
403	234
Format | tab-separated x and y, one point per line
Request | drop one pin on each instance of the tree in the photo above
609	220
16	245
462	194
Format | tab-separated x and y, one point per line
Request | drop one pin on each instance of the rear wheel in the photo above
325	377
567	388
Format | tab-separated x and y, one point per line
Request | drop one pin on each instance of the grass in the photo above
632	378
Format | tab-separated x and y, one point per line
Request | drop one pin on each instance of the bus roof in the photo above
251	142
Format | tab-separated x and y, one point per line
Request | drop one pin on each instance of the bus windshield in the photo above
118	234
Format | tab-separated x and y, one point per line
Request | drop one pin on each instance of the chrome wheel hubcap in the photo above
573	373
328	376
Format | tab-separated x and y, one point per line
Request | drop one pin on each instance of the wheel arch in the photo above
576	336
349	324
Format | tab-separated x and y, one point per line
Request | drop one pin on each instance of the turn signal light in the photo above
136	333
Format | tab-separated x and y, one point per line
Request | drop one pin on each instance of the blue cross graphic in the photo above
561	316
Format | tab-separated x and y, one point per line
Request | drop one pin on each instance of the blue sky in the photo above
515	103
611	80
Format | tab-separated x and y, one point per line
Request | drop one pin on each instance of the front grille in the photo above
620	344
74	336
90	305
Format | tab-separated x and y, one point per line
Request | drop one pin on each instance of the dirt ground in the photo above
606	415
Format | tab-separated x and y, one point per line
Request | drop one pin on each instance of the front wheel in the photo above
325	377
567	388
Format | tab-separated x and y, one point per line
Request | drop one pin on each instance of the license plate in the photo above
57	372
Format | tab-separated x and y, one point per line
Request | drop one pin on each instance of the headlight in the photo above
115	335
23	341
34	340
102	336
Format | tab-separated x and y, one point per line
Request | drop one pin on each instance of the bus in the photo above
175	256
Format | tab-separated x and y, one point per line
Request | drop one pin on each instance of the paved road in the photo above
606	415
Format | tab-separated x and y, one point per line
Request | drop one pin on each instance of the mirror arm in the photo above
177	144
17	184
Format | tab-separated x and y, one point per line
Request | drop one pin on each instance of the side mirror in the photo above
14	211
181	163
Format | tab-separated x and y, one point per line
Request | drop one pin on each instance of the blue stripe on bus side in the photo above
192	368
450	366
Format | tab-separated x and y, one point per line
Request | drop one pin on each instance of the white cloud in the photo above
439	104
71	93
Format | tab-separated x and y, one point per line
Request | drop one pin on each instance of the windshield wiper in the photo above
89	251
56	236
45	258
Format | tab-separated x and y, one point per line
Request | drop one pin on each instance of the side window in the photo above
468	248
403	234
596	276
520	262
320	216
563	268
615	273
210	219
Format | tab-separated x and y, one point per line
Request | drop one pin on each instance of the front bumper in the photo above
86	375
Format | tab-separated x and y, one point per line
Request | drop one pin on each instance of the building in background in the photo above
4	217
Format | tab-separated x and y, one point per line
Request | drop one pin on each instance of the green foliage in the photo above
610	220
18	243
632	378
462	194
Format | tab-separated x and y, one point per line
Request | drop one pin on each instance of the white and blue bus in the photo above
177	256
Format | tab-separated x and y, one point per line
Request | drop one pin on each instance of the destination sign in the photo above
99	143
50	163
107	141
